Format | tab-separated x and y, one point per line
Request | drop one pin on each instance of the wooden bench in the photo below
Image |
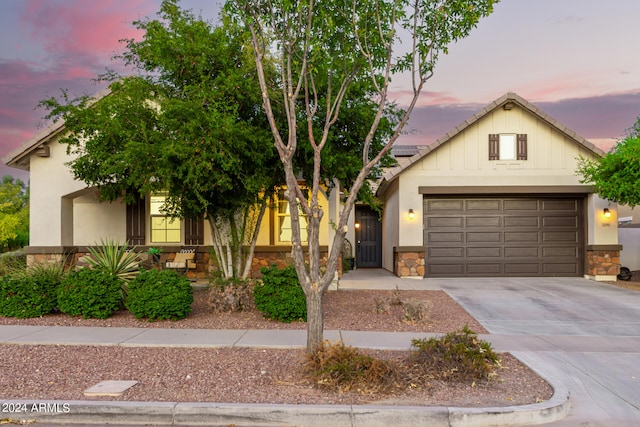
184	260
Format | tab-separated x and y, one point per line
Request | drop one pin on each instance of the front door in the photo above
368	238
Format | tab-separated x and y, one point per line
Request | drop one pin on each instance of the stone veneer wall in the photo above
409	262
263	257
603	261
268	256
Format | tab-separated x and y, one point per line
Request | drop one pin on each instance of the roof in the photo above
19	158
424	150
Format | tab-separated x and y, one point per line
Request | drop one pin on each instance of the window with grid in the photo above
283	220
164	228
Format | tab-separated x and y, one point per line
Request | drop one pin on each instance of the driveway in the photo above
582	333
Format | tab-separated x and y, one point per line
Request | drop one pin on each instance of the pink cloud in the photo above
78	26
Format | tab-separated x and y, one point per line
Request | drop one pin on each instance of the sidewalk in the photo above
183	413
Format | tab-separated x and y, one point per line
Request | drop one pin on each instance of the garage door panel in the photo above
446	222
522	252
560	268
447	206
484	222
510	236
518	269
483	237
446	269
555	236
560	251
482	205
560	205
530	236
484	269
521	221
560	221
445	252
520	205
445	237
491	252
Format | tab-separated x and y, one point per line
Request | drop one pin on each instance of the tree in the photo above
14	214
616	176
187	124
321	51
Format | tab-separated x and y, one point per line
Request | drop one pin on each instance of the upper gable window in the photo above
508	146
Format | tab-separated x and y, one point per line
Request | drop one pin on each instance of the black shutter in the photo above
521	143
136	224
494	146
194	231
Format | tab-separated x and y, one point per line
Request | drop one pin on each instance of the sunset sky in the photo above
575	59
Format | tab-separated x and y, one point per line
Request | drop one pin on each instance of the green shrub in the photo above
90	293
10	262
280	296
159	295
457	355
341	368
27	296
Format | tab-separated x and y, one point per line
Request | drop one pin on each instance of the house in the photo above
497	196
67	216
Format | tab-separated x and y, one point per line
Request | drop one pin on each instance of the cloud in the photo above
79	26
601	120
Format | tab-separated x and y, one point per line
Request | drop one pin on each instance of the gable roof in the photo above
19	157
505	99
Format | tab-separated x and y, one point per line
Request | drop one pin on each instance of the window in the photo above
164	229
283	220
508	146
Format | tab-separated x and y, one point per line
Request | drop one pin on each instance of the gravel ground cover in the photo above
244	375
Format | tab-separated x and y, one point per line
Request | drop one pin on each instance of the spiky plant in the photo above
114	258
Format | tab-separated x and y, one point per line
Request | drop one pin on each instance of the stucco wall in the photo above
49	181
95	221
390	226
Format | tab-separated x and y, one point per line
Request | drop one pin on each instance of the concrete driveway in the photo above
582	333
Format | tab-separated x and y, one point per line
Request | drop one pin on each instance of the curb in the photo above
173	413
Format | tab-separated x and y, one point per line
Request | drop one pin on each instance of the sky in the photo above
574	59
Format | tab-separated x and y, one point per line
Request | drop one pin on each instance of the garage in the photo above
492	236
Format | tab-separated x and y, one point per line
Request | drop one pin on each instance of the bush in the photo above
341	368
90	293
457	355
160	295
10	262
115	258
280	296
26	296
228	295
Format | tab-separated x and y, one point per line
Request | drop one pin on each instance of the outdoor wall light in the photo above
411	214
357	225
607	213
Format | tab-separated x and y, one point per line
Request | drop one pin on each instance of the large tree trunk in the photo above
315	320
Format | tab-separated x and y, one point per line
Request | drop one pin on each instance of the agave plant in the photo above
113	257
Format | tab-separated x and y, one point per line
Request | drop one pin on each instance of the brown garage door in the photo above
498	236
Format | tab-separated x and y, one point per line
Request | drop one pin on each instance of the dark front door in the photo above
368	238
